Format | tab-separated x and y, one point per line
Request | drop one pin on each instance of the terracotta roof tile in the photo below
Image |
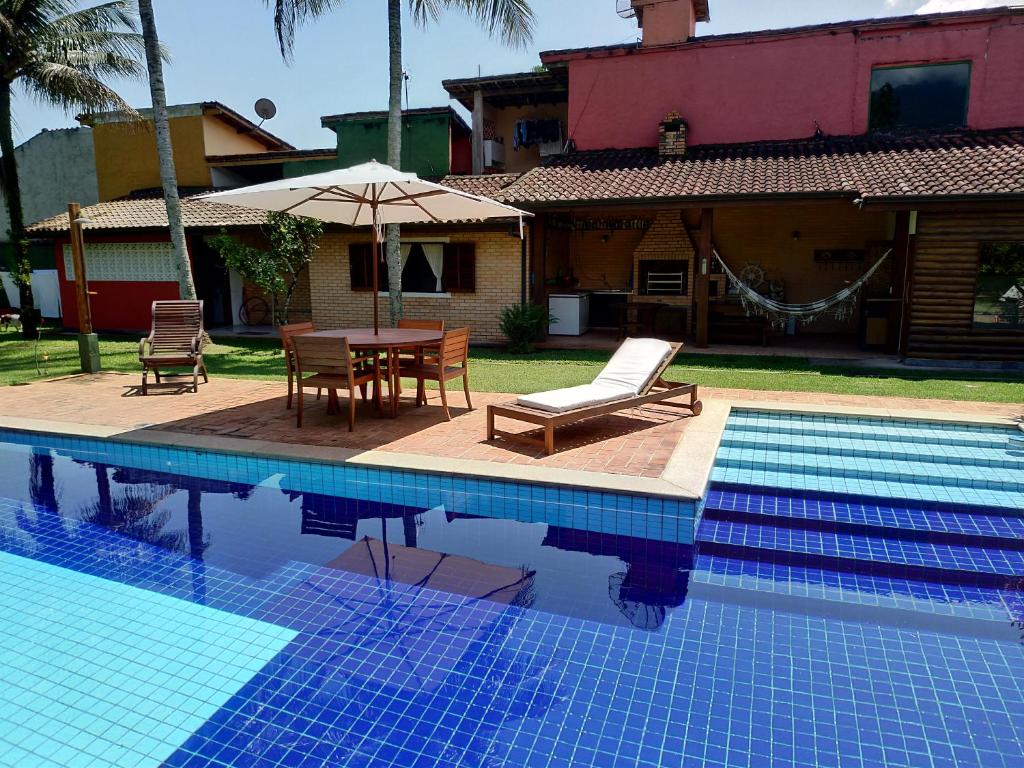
487	185
869	167
149	213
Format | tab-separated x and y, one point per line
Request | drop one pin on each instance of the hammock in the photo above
806	312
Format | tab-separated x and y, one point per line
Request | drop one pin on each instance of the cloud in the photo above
945	6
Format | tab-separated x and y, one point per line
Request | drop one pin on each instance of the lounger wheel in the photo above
696	408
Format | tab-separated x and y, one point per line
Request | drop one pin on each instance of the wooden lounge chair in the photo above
175	341
450	362
633	377
333	367
287	333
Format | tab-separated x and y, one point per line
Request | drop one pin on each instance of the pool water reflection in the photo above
344	631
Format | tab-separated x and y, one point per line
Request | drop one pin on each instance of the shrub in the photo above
523	325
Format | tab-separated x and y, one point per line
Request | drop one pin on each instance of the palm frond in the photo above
289	15
511	21
69	87
111	16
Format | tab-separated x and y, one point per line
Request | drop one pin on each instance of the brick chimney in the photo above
665	22
672	136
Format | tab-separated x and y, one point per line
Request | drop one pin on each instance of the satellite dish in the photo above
625	9
265	108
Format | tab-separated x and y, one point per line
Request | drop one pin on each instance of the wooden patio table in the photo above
388	340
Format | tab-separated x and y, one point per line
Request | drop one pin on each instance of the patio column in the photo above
478	132
702	278
902	277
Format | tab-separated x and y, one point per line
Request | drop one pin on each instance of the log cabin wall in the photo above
941	325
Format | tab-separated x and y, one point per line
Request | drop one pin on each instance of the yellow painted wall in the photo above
224	139
505	121
126	158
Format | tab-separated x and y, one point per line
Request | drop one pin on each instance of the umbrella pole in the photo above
376	278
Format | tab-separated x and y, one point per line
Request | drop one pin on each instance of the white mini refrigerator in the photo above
570	314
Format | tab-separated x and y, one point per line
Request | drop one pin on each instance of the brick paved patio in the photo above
637	443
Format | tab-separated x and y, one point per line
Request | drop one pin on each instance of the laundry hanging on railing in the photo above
838	305
543	133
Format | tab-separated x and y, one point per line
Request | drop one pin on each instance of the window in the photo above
459	274
928	96
426	268
999	290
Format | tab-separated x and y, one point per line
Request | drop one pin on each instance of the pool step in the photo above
928	433
867	514
831	582
1002	456
988	565
879	487
878	467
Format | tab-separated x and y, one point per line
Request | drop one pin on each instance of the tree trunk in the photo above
22	267
186	286
394	236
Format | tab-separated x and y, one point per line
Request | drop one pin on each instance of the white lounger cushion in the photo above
634	364
571	398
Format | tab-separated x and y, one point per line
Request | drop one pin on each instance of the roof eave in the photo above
560	56
704	201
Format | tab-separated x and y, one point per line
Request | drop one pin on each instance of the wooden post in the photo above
903	273
702	277
539	239
88	342
78	259
478	132
376	276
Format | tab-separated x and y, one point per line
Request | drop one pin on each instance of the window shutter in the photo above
459	274
360	260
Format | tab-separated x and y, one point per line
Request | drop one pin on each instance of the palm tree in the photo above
60	55
168	176
510	20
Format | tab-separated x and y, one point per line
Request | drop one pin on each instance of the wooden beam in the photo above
702	273
478	132
538	248
78	259
900	281
906	236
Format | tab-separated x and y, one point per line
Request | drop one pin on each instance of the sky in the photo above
225	50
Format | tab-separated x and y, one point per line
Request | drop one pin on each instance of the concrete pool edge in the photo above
686	476
469	468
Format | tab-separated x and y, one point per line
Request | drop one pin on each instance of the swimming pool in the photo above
186	608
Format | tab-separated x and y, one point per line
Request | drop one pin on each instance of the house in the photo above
802	156
435	140
797	158
65	154
128	249
127	246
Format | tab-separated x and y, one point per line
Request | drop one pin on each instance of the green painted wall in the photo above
295	168
424	142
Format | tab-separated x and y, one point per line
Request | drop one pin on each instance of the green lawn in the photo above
496	371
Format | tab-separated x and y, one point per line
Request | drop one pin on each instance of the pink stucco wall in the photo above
776	87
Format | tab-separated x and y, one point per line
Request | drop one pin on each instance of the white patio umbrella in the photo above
371	194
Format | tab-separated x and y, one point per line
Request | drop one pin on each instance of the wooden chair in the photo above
287	333
332	367
175	340
415	355
450	362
